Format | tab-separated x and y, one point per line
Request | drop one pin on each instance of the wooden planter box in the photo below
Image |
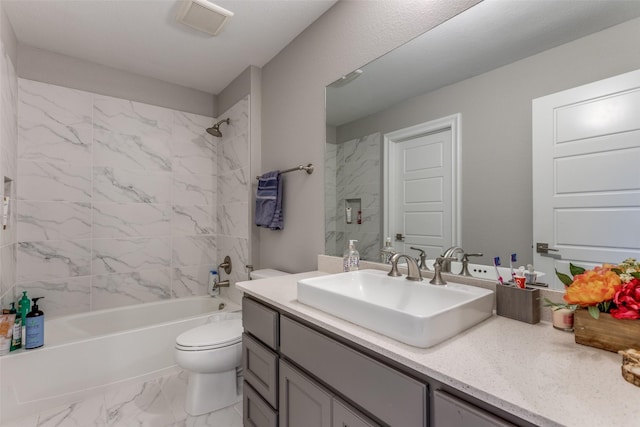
606	333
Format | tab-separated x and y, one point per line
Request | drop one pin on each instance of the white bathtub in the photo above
90	352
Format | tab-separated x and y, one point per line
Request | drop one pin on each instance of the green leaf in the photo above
594	312
604	306
617	271
574	269
636	274
566	280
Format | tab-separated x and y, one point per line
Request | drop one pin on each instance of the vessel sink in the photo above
415	313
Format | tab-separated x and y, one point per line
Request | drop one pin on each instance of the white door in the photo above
586	175
421	192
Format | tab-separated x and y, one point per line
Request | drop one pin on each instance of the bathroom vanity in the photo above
303	367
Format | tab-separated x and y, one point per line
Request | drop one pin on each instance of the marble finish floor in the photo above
155	403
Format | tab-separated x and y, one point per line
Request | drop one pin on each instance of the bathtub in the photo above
90	352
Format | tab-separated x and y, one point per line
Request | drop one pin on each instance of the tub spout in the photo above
222	284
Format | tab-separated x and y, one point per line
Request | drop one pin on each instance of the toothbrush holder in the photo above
518	304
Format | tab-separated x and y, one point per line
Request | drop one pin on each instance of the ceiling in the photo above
489	35
143	36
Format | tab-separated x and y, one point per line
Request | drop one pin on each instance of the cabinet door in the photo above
260	369
346	416
303	403
449	411
255	411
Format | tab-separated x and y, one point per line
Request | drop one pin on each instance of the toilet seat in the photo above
211	336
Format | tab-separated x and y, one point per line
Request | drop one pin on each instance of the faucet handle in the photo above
437	267
465	264
422	258
442	258
468	255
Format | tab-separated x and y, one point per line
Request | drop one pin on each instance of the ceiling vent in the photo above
203	16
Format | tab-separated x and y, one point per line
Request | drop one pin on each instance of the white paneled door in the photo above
421	191
586	175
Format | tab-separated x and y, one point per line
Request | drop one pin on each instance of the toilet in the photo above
212	354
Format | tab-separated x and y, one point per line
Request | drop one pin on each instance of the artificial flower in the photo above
627	301
593	287
607	288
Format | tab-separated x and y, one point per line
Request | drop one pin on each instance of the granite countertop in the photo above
532	371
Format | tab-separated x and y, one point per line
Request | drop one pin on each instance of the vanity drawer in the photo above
389	395
260	369
449	411
255	411
261	322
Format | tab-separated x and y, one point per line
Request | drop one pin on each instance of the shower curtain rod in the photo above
308	168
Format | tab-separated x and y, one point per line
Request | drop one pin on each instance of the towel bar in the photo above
308	168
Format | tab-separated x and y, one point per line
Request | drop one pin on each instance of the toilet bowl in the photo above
211	353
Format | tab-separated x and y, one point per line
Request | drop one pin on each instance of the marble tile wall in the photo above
8	174
234	186
330	200
358	171
120	199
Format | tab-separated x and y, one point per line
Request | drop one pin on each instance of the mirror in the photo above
487	65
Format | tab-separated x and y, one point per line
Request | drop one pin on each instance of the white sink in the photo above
483	271
415	313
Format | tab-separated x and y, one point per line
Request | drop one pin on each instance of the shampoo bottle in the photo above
214	290
16	339
35	327
351	258
24	305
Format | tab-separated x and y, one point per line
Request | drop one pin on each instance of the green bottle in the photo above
16	340
24	305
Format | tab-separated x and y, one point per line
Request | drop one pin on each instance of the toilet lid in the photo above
212	335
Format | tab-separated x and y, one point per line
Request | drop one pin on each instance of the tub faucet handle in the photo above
226	264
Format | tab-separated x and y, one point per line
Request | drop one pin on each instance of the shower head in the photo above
215	129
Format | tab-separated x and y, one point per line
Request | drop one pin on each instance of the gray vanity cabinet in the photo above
298	375
260	364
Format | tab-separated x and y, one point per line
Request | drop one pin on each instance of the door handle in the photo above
543	248
399	237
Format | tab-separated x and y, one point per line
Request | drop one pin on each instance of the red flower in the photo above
628	301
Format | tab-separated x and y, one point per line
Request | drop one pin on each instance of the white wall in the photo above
347	36
62	70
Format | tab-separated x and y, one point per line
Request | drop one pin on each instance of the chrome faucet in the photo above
413	271
437	268
448	256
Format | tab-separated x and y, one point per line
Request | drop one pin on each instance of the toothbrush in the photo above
513	259
496	263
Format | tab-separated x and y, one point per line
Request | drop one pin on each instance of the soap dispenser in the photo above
387	251
351	258
16	338
35	326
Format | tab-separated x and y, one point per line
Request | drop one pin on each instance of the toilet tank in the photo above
266	273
